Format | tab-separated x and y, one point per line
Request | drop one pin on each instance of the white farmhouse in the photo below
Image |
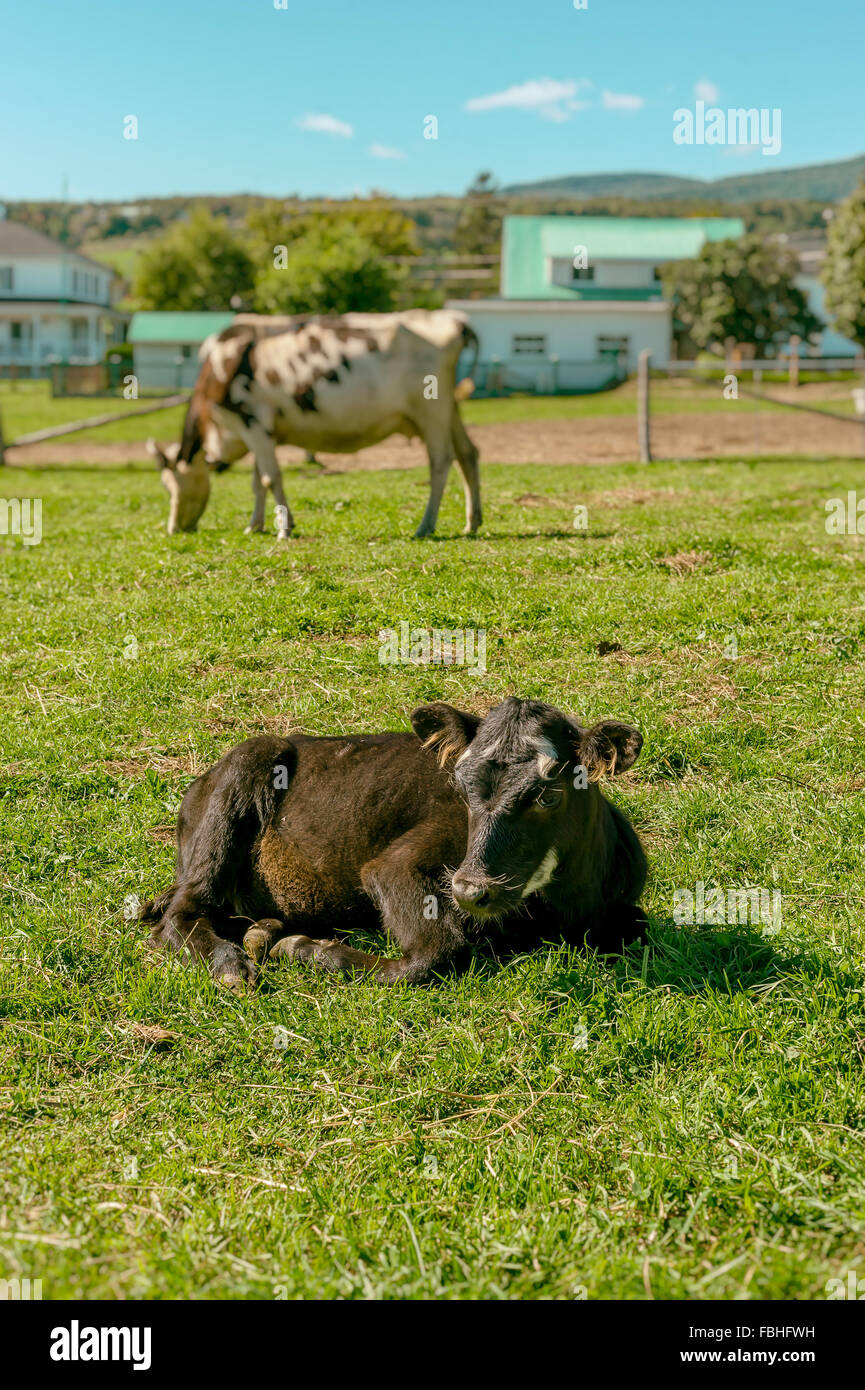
55	304
581	297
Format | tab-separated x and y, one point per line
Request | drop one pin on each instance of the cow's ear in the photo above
165	458
155	452
608	748
446	729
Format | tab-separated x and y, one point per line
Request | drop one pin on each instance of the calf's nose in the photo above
470	892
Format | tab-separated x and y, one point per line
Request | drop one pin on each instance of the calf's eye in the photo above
549	798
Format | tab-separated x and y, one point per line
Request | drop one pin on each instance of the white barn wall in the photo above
571	330
156	366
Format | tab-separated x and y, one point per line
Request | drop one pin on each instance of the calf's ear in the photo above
608	748
443	727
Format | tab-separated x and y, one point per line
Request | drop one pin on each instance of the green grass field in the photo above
685	1123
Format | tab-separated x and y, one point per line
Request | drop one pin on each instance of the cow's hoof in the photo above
254	530
284	536
423	531
232	969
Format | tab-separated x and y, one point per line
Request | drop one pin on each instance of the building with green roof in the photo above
581	297
165	346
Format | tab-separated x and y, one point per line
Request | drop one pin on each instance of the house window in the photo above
583	272
21	332
529	345
79	333
85	282
6	277
656	274
613	347
186	351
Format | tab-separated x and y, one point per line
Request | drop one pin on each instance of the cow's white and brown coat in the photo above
332	385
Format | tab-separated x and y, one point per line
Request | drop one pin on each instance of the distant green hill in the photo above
825	182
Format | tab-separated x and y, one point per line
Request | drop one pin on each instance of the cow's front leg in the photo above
256	521
269	476
281	509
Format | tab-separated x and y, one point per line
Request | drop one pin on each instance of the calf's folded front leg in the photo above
414	911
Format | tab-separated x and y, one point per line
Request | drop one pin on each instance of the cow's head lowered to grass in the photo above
207	444
187	485
528	774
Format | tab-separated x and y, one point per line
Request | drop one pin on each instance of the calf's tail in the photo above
223	813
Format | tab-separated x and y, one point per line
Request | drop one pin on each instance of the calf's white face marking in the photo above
543	873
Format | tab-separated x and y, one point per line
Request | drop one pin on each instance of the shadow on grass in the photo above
703	960
538	534
693	961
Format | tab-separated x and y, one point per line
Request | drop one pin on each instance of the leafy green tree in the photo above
374	219
328	274
844	268
479	228
197	264
743	290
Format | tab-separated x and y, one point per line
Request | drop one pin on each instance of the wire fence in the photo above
729	378
552	376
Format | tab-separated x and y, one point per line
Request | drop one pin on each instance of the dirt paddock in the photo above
592	439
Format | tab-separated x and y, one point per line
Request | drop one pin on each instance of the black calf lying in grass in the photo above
315	834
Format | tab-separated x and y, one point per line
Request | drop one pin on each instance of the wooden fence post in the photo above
793	370
644	433
757	382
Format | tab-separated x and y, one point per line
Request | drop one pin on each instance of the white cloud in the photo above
707	91
550	99
622	101
326	125
385	152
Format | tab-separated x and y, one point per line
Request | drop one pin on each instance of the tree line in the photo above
291	256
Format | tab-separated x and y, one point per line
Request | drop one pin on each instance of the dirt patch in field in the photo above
685	561
597	439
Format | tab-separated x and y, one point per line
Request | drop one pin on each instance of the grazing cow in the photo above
326	384
433	835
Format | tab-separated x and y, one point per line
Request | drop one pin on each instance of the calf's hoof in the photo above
260	937
232	969
300	948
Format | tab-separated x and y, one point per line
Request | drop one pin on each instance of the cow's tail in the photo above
465	387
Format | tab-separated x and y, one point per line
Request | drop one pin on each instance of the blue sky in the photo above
330	96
